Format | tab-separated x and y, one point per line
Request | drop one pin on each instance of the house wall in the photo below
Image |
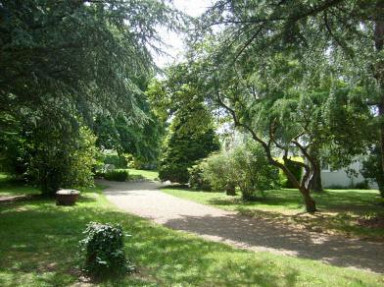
340	177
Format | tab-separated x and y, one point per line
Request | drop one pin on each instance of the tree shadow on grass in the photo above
230	201
256	233
39	243
353	201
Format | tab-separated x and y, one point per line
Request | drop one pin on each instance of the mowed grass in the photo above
149	174
346	212
39	247
10	188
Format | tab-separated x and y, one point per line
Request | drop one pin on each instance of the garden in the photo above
272	112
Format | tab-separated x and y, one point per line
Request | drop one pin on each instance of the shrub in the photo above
174	172
252	171
104	250
136	177
196	179
219	172
117	175
362	185
118	161
55	161
245	168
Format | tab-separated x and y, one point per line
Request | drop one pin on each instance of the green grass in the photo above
10	188
149	174
340	211
39	247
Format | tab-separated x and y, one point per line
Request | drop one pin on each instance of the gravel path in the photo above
144	199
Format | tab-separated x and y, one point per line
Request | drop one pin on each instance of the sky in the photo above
173	40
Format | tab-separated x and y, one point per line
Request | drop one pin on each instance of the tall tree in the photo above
89	55
287	115
349	33
191	134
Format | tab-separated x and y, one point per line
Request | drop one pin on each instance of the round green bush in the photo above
104	250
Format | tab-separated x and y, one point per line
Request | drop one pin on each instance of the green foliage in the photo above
372	169
245	168
196	178
118	161
95	53
252	171
278	67
117	175
135	162
140	139
297	171
191	138
104	250
174	172
88	60
219	172
59	152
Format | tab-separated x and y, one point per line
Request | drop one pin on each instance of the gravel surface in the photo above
144	199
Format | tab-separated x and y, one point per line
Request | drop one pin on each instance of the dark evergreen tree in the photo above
186	145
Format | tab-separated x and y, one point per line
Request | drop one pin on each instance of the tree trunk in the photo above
230	190
315	183
379	75
303	186
310	204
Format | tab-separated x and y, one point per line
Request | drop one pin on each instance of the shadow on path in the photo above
254	234
257	235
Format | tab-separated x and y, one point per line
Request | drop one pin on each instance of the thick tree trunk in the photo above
310	204
379	75
315	183
303	186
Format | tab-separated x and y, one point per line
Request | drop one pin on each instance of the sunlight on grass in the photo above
39	247
149	174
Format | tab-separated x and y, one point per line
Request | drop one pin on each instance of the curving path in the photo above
144	199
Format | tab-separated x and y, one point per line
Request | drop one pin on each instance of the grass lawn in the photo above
9	188
149	174
347	212
39	247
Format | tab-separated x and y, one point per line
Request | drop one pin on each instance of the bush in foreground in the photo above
104	250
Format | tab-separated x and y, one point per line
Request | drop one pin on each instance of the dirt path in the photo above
145	200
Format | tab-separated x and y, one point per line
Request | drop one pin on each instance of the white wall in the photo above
340	177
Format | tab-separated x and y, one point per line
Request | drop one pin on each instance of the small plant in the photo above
116	175
104	250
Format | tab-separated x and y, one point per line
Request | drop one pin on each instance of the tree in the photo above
371	168
191	138
143	140
349	33
281	45
287	115
58	152
91	51
88	56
